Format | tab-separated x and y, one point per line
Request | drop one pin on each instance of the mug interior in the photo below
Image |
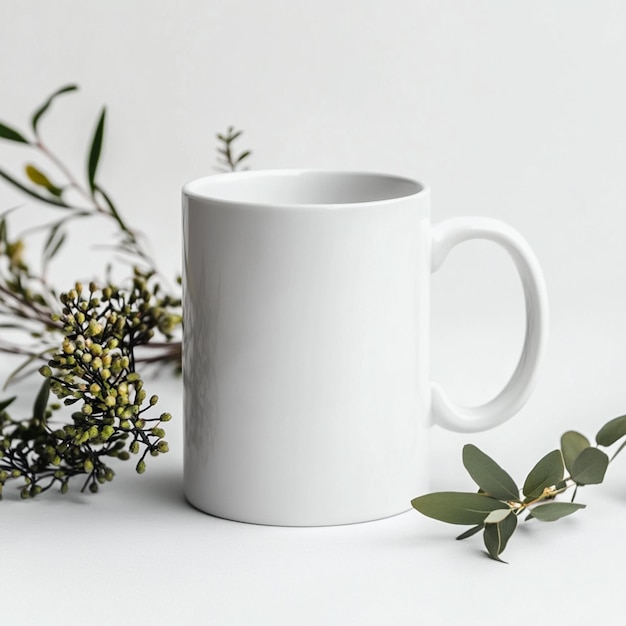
301	187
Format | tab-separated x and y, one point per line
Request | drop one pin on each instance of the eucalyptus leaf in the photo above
41	401
6	403
495	517
470	532
94	151
488	475
39	178
46	105
456	507
47	199
612	431
546	473
590	467
496	536
11	134
572	444
553	511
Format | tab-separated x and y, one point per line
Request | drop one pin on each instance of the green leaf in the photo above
31	192
6	403
94	152
572	444
470	531
495	517
242	156
457	508
44	107
11	134
3	230
41	401
54	241
39	178
553	511
590	467
488	475
496	536
622	446
612	431
546	473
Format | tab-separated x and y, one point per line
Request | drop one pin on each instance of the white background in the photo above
512	110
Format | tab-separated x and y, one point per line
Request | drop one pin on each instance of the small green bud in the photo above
141	467
163	447
95	388
133	377
123	456
107	431
93	432
125	425
105	374
97	364
134	447
153	400
109	474
24	493
80	317
158	432
64	487
93	487
166	417
16	473
86	409
45	371
95	349
88	466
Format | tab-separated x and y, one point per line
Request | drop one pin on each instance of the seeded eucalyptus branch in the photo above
92	340
499	503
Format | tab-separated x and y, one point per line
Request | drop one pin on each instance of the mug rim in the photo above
190	188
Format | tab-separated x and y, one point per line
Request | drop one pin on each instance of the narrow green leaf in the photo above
457	508
496	536
553	511
94	151
488	475
242	156
612	431
54	241
11	134
41	401
52	251
6	403
546	473
572	444
470	531
47	199
45	106
590	467
3	230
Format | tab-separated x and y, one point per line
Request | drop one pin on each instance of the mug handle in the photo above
445	236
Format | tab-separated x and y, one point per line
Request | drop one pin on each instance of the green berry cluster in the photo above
94	371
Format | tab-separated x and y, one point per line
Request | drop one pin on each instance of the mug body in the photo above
305	351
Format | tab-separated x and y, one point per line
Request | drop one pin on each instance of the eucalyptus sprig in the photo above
499	503
93	339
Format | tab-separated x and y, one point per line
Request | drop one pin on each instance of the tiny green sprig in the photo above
228	160
499	503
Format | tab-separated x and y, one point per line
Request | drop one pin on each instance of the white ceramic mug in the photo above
307	396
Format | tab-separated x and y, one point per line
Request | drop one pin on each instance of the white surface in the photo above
509	110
